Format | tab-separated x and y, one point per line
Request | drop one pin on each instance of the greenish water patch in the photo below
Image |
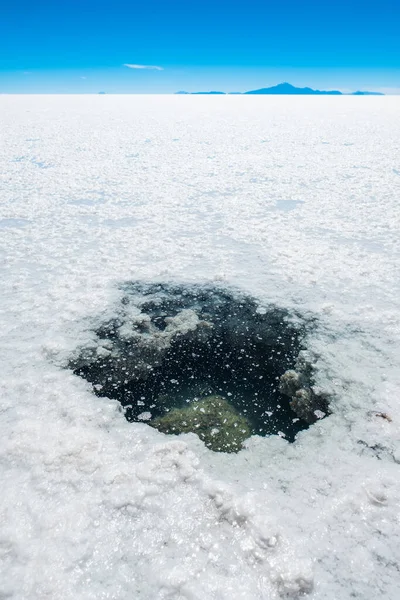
217	423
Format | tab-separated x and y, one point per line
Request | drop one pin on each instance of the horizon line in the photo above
273	89
345	94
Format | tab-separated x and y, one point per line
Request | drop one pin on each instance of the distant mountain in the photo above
203	93
287	88
367	94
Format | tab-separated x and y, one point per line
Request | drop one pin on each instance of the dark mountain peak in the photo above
288	88
285	86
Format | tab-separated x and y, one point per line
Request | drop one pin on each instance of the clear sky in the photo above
83	46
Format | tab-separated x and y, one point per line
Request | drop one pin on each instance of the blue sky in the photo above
71	46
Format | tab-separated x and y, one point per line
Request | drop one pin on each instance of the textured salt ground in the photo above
294	201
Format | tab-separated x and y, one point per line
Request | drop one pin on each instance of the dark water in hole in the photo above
245	378
241	360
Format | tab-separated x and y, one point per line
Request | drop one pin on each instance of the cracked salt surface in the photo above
95	507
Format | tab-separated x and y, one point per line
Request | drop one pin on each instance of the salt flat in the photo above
295	201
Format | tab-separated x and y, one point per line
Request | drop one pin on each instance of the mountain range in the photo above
288	89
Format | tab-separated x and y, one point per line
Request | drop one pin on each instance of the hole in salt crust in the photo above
205	360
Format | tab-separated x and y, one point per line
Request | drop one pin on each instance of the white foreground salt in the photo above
293	200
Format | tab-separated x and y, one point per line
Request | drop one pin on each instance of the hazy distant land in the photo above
288	89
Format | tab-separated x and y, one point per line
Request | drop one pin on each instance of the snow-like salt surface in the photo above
294	200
